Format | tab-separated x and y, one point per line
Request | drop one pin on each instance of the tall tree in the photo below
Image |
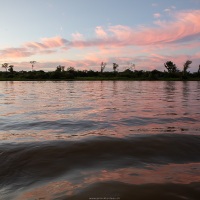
71	69
10	68
103	65
58	68
62	68
115	66
5	65
186	66
199	70
171	67
32	64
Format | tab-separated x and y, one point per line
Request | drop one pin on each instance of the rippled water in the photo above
99	140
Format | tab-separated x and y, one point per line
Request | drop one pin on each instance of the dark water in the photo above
99	140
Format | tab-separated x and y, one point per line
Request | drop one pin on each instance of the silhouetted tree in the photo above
60	68
186	66
10	68
5	65
131	66
70	73
115	66
171	67
32	64
103	65
71	69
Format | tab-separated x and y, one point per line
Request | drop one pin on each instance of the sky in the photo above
84	33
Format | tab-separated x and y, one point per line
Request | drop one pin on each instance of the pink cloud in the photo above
54	42
47	43
186	25
47	46
100	32
15	53
35	45
114	42
77	36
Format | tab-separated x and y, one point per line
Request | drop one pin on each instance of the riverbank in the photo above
101	79
76	75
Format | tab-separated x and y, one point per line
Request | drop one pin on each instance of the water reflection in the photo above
69	137
70	107
115	87
186	92
170	90
151	174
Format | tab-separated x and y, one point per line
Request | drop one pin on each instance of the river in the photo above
99	140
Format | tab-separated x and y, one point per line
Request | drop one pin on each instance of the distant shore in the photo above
89	75
101	79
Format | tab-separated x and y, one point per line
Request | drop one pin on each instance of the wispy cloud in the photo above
77	37
183	28
170	9
167	10
185	25
47	43
15	53
46	46
100	32
157	15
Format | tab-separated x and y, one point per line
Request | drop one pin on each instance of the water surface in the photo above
100	139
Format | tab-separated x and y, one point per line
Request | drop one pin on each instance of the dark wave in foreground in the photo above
40	160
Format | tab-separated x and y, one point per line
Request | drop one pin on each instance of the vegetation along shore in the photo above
171	72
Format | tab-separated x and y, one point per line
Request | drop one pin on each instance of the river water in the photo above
99	140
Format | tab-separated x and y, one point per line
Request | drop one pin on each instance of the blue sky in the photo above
83	33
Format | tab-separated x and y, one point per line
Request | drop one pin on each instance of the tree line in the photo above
171	72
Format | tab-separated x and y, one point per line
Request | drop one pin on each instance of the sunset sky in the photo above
83	33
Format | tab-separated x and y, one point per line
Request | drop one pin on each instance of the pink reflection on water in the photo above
119	108
156	174
172	173
48	191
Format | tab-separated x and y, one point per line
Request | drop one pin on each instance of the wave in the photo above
29	162
71	126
